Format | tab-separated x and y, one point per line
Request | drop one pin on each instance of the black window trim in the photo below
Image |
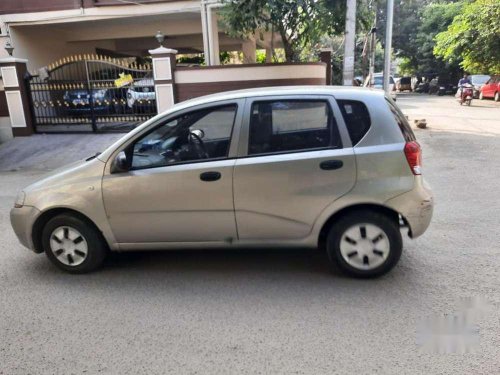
340	104
334	128
130	147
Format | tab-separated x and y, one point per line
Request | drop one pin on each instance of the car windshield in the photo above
379	81
479	79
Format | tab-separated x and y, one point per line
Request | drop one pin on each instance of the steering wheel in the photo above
199	145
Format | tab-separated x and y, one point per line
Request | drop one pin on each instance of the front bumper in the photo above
22	220
416	206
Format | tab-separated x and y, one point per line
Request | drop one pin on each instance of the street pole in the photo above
388	45
350	35
373	47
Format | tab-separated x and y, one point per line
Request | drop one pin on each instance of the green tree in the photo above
473	38
434	19
416	23
300	23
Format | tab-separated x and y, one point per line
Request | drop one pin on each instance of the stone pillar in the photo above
13	71
326	56
164	78
214	37
210	30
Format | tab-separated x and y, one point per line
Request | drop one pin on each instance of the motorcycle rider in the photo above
463	81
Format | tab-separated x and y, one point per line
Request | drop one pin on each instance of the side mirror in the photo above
120	163
199	133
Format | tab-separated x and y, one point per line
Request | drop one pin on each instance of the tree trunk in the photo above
289	52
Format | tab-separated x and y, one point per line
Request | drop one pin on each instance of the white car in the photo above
379	84
141	92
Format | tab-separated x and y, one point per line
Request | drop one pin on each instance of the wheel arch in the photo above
389	212
44	218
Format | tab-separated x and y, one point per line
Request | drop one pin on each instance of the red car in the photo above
491	89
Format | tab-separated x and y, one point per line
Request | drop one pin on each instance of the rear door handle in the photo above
210	176
329	165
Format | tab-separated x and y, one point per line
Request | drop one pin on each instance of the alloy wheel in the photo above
364	246
69	246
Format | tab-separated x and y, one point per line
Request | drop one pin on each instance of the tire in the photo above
481	96
497	97
348	247
469	101
82	248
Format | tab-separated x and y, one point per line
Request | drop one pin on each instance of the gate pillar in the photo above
13	70
164	79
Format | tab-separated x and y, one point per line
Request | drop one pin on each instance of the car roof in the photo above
277	91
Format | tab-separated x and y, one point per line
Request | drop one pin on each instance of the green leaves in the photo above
473	38
300	23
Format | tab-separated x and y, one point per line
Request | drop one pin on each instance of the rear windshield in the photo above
479	79
401	120
356	117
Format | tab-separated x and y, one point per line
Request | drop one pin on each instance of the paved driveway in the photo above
273	312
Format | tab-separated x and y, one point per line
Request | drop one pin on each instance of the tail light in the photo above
413	154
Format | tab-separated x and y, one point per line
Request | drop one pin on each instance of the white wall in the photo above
42	46
250	73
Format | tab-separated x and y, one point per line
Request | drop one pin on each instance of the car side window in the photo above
291	125
195	136
356	118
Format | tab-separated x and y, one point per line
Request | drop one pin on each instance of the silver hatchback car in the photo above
277	167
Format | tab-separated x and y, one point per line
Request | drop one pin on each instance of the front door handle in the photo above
329	165
210	176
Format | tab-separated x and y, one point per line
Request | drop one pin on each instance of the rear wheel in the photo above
364	244
73	244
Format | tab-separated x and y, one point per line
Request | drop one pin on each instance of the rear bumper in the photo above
416	206
22	220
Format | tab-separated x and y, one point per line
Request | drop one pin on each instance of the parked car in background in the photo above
271	167
478	81
378	83
78	100
442	86
141	92
491	89
404	84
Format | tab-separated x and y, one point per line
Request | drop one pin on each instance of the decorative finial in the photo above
160	37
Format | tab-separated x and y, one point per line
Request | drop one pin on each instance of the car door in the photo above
294	160
179	185
489	88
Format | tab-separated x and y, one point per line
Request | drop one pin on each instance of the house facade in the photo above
96	65
43	31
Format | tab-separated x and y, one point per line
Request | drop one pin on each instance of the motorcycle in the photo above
465	94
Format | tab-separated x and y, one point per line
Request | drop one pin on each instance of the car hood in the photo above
79	171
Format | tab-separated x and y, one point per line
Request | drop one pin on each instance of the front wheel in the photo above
73	244
365	244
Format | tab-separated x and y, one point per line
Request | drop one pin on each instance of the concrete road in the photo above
275	312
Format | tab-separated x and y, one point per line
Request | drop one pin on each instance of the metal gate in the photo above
92	93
